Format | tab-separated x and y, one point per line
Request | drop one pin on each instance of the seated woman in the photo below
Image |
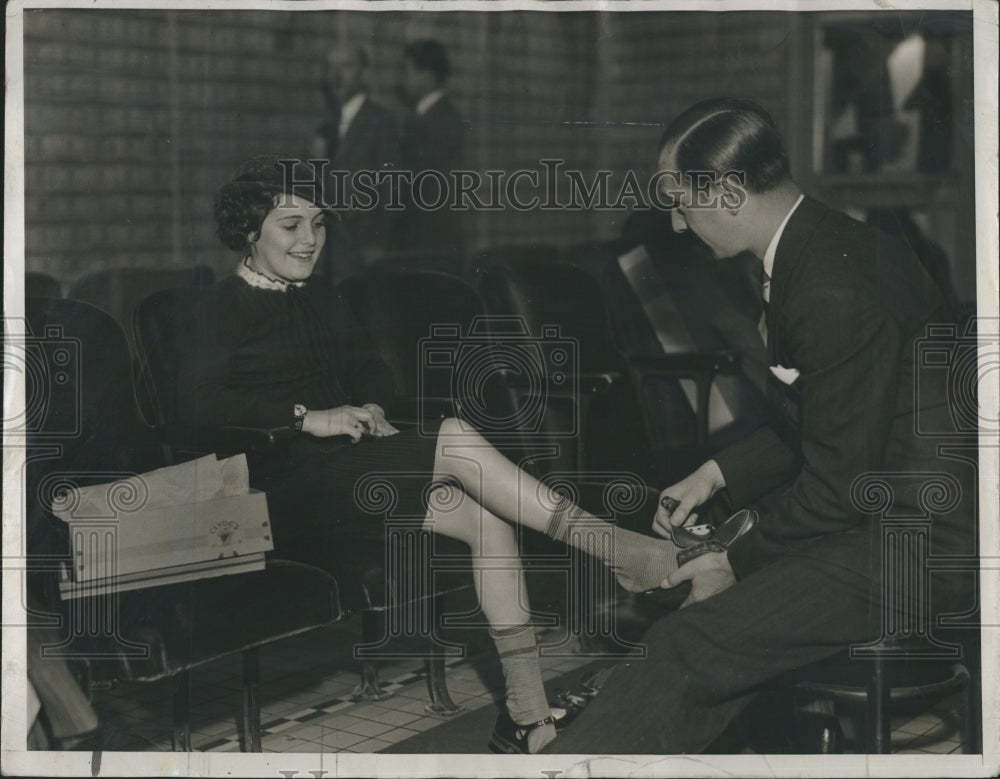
276	348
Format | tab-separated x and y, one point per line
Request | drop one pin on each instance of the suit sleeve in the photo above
848	357
756	465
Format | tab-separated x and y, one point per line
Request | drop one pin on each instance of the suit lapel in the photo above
789	253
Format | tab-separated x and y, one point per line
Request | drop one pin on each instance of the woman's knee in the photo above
498	536
451	426
450	511
457	515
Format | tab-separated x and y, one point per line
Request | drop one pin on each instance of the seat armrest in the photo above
408	411
598	383
224	438
686	363
702	367
590	382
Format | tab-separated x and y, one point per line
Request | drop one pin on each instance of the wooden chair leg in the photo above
182	712
437	683
371	688
251	741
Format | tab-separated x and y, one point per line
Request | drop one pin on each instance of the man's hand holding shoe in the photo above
703	560
679	500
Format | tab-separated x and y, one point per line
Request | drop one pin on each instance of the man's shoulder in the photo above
839	249
442	112
849	268
372	110
835	231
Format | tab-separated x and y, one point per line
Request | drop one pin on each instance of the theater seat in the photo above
84	428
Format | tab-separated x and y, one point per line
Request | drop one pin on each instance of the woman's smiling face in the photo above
291	239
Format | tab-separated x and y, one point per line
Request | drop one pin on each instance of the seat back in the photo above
555	293
41	285
514	253
399	308
79	387
119	290
81	419
161	324
558	301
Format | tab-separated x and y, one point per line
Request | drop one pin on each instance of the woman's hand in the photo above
689	493
381	426
342	420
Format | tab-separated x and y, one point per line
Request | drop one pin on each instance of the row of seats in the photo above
167	631
87	429
618	398
183	626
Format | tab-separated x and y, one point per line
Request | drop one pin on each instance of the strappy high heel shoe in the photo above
509	738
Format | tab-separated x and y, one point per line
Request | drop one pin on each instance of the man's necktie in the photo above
765	297
332	126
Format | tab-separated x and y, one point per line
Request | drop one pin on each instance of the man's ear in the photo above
734	191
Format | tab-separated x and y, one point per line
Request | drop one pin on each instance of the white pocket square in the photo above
786	375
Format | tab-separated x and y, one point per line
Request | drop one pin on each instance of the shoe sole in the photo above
503	747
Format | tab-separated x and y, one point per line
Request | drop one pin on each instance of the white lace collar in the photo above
255	278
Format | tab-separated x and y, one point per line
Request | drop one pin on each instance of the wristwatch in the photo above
300	415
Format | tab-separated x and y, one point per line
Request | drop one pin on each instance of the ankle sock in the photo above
639	562
526	699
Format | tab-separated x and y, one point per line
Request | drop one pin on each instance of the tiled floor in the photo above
306	698
307	704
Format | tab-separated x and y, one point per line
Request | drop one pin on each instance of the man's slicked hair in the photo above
729	134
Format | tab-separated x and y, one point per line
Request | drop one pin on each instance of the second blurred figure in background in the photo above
433	140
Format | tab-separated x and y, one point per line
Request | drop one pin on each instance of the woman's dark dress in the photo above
259	351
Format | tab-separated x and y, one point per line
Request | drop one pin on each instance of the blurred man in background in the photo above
357	135
432	141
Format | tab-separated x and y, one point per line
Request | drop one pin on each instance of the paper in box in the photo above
189	521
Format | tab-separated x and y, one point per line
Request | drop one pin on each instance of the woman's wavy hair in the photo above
729	134
257	188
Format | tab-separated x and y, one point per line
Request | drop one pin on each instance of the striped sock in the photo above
638	561
526	699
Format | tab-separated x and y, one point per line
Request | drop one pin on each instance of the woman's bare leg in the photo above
639	562
499	574
500	585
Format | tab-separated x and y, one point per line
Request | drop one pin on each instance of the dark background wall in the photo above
133	118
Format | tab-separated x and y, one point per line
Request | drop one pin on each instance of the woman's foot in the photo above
640	562
511	738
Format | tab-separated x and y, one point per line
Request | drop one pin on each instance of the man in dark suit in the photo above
360	138
433	140
845	308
